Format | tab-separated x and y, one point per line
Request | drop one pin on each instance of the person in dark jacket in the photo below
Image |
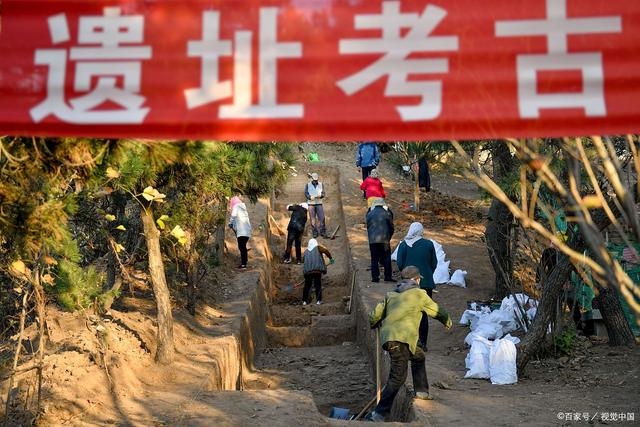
420	252
398	317
295	230
367	158
313	269
380	229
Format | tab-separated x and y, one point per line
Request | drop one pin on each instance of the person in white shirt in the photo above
314	192
241	226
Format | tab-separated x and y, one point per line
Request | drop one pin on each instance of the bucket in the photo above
339	413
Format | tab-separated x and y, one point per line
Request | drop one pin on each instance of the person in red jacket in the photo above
372	187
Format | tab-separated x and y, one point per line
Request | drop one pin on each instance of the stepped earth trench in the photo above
253	355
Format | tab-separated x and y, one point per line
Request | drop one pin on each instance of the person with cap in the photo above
420	252
398	317
241	226
367	159
313	269
295	230
314	192
380	229
372	187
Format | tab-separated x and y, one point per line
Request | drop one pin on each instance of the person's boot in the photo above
374	416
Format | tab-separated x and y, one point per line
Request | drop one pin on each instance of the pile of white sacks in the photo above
493	350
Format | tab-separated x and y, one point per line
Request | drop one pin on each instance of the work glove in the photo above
332	261
444	318
231	226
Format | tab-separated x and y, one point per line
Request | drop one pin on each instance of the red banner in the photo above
326	70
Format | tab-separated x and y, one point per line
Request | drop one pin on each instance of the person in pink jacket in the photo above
372	187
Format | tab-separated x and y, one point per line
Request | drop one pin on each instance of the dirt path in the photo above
106	376
601	382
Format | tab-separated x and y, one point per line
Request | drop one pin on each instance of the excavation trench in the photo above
328	349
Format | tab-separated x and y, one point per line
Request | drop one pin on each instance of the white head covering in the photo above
314	176
414	234
373	173
313	243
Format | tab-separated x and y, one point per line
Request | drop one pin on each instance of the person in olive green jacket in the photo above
398	317
420	252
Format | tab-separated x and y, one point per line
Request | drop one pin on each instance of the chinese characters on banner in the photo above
324	70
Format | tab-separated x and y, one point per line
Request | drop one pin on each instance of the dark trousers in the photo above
316	217
366	171
423	332
400	354
293	237
380	253
242	247
316	279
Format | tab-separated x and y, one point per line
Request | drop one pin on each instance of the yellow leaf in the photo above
160	221
48	279
50	260
147	196
119	248
110	217
19	268
121	227
152	195
112	173
179	234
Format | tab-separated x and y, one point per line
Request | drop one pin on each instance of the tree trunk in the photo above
552	288
618	328
499	222
497	238
165	348
416	188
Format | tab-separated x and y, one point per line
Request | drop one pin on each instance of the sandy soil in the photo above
100	371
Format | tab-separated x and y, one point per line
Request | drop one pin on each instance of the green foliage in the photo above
75	287
55	195
564	342
407	153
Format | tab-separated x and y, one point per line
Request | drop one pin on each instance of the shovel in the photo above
333	235
291	286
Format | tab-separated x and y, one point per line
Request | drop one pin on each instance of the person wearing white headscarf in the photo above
313	269
418	251
241	226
